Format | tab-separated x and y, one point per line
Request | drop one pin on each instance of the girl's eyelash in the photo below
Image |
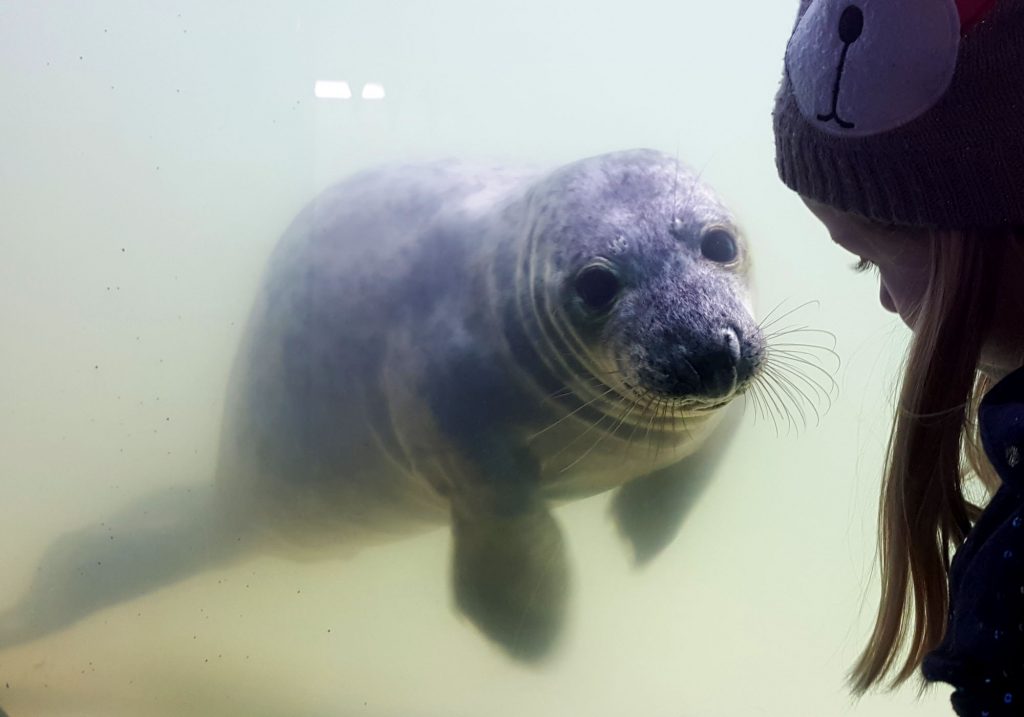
863	265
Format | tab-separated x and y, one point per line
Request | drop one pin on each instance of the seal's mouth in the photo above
689	403
701	373
708	406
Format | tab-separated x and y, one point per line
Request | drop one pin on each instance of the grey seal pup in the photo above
450	344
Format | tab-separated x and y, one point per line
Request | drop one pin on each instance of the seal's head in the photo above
644	276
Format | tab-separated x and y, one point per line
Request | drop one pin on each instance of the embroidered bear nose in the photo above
851	24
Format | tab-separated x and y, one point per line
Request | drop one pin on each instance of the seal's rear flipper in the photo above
511	579
155	541
650	510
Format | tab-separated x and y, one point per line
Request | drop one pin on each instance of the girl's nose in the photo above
885	298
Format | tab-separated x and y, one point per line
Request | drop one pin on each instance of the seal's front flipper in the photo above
650	510
158	540
509	566
511	578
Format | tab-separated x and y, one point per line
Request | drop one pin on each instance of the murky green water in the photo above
151	157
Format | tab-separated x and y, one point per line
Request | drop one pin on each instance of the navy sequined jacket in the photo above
982	654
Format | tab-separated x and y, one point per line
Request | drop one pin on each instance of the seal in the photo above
449	344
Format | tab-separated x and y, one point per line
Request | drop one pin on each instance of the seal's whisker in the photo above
569	443
625	415
805	359
686	427
800	330
793	361
600	438
652	442
587	382
824	360
796	368
675	413
809	356
573	357
787	393
816	349
650	426
662	411
622	417
790	405
582	434
801	350
695	182
817	394
561	393
765	408
765	319
787	384
650	402
766	412
790	330
765	322
751	398
747	402
569	415
776	401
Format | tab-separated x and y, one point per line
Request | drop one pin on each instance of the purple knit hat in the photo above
906	111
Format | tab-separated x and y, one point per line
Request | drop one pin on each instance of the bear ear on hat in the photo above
973	11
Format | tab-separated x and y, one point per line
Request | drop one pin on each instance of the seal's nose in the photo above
710	371
851	24
717	366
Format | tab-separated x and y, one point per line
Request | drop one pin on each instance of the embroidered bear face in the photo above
862	67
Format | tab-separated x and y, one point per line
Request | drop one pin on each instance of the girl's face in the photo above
901	257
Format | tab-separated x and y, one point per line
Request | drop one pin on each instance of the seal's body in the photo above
443	343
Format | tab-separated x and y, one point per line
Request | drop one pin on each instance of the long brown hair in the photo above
934	450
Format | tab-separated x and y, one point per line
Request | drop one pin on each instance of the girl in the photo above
901	125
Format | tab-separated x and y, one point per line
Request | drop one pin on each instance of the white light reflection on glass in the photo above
332	90
373	91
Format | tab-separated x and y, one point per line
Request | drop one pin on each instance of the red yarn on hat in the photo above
973	11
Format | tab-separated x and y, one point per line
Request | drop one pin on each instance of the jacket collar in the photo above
1001	422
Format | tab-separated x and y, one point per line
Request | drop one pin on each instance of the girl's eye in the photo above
863	265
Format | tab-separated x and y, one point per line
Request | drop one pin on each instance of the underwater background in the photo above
153	154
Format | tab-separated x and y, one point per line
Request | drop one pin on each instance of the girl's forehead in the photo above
865	237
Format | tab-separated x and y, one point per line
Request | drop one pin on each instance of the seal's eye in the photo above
719	245
597	286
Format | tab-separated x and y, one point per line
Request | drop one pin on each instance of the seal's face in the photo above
671	313
650	275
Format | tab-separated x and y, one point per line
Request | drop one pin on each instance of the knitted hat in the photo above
906	111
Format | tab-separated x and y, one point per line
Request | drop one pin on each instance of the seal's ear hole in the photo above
718	245
598	286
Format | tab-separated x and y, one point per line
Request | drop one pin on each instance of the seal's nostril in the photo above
851	24
731	343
